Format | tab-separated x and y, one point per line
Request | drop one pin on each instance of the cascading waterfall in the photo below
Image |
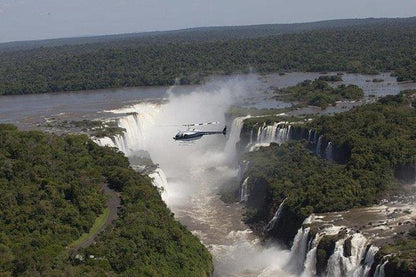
338	264
328	151
276	217
318	146
196	172
309	134
159	178
367	261
251	136
234	138
133	137
244	191
105	141
242	170
357	264
279	132
298	250
315	137
309	266
134	120
379	272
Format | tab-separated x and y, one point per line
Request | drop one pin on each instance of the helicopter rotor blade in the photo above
201	124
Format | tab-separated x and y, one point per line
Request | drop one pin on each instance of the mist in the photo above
196	170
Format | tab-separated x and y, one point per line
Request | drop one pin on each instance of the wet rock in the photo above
347	247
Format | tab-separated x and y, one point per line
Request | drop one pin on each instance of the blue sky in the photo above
40	19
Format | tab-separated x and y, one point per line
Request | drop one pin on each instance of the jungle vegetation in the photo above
159	60
318	93
379	140
50	194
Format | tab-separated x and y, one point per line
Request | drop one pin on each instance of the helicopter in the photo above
193	134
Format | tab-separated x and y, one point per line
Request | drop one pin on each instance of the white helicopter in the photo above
193	134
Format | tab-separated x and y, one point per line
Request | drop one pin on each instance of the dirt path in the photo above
113	204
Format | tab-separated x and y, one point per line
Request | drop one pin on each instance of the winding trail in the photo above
113	203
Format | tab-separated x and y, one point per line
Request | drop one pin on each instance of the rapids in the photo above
192	173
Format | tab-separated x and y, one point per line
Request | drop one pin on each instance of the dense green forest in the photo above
379	141
318	93
403	263
207	34
50	195
380	47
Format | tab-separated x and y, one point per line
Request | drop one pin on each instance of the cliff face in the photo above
260	206
392	266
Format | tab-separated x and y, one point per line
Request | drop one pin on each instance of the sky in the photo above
43	19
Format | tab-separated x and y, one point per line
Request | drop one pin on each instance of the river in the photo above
192	173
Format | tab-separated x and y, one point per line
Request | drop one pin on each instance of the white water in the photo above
338	264
234	137
276	217
298	251
318	146
368	258
303	253
379	272
279	133
244	191
328	151
196	171
159	180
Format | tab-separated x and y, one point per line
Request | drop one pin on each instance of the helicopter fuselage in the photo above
196	134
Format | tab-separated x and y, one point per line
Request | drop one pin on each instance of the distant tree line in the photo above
95	66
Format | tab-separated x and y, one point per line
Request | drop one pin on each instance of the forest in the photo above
50	194
127	63
318	93
380	149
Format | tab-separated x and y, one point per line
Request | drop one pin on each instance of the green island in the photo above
369	47
403	262
318	93
374	149
51	201
93	128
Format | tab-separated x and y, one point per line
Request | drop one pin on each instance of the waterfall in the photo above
380	269
105	141
278	132
134	120
338	264
251	136
310	262
328	151
357	263
276	217
309	134
298	250
318	146
133	137
242	170
234	138
315	137
159	178
366	262
244	191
